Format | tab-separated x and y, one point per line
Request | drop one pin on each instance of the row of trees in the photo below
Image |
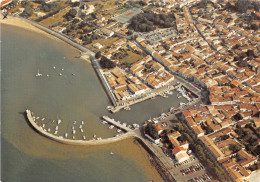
147	21
197	146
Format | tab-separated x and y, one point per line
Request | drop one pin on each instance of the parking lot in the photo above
191	170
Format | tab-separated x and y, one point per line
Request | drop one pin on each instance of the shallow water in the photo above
28	156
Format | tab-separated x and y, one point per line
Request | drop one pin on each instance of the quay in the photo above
106	85
149	95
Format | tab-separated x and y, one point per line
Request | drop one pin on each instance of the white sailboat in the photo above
43	119
84	137
82	122
80	126
66	135
38	74
43	125
73	131
56	128
74	122
59	121
55	133
49	129
54	67
81	130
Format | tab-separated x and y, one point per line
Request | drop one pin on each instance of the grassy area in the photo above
104	42
131	58
56	18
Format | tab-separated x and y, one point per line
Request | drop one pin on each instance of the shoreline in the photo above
41	29
19	22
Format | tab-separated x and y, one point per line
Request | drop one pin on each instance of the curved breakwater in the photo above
75	142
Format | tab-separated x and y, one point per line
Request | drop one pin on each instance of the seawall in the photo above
75	142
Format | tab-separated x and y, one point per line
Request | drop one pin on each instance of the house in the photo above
159	129
100	17
107	32
180	154
245	158
5	3
97	45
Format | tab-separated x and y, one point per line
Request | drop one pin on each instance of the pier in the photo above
117	124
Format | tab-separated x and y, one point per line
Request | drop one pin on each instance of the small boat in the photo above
56	128
95	136
74	122
37	117
43	119
66	135
118	130
74	131
103	122
55	133
80	126
81	130
82	122
111	153
47	75
73	137
73	128
62	69
49	129
84	137
38	74
99	138
59	121
111	127
117	135
64	57
60	74
44	129
73	74
43	125
53	121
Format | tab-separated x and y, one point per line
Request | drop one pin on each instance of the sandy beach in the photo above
19	22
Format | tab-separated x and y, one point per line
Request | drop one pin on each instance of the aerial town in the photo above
206	50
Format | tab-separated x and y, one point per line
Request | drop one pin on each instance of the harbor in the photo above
61	139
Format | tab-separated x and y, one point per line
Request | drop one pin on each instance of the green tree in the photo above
151	130
98	55
234	147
